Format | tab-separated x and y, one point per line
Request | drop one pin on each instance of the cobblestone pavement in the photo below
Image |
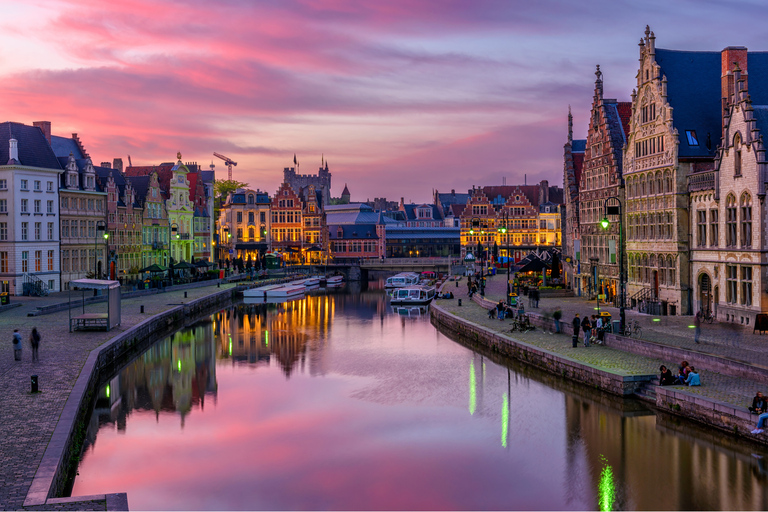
27	420
732	390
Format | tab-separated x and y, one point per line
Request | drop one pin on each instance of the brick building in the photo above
286	209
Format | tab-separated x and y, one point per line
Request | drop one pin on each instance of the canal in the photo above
339	402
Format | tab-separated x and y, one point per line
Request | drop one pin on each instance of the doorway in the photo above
705	294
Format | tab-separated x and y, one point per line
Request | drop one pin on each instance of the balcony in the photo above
158	246
184	236
702	181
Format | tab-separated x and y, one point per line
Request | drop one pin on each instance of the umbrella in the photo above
202	263
183	265
154	268
535	265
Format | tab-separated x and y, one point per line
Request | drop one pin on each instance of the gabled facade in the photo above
313	214
601	178
245	224
287	233
154	237
573	161
675	123
29	176
728	215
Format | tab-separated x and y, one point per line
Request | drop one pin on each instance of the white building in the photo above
29	211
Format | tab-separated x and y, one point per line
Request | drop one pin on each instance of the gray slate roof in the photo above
63	146
353	232
34	150
405	233
579	146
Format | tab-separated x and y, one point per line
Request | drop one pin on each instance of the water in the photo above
337	402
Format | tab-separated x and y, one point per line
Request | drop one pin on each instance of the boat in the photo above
413	295
411	311
258	293
335	280
402	279
310	282
287	290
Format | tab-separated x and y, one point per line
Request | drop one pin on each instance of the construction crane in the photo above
227	161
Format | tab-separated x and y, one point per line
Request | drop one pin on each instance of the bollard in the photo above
185	295
142	308
457	284
218	285
459	302
34	384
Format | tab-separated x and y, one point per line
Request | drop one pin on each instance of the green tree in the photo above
220	190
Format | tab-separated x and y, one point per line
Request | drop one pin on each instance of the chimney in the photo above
117	163
45	126
13	153
402	203
543	191
729	57
106	164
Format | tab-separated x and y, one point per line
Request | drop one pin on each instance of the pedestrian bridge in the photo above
359	270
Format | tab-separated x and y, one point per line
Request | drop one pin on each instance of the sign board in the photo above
231	251
601	296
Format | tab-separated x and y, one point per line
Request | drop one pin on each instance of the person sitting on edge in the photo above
681	376
758	404
693	378
760	423
666	378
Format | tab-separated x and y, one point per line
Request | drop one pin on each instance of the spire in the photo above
570	126
598	83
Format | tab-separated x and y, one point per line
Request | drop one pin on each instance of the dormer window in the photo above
692	139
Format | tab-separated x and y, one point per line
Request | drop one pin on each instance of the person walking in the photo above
697	327
16	345
576	323
34	341
586	326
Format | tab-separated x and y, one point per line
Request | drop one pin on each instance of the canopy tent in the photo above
153	269
469	257
202	263
534	265
106	321
184	266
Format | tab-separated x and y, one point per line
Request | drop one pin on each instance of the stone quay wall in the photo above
62	454
553	363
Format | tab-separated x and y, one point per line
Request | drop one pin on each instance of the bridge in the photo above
359	270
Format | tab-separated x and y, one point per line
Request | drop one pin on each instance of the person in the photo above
697	327
666	378
760	423
34	341
758	404
682	372
693	378
16	345
599	325
500	310
492	313
520	310
587	328
576	323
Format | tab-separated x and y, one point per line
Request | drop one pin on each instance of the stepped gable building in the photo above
526	210
125	216
315	239
727	216
29	173
154	239
286	209
321	181
675	125
573	156
601	178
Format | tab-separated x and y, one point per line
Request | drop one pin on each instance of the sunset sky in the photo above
401	96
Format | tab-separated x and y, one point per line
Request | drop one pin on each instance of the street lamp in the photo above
174	233
615	209
100	226
504	231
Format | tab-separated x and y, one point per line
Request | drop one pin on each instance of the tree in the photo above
220	190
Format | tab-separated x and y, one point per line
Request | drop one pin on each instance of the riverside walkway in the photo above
726	342
27	420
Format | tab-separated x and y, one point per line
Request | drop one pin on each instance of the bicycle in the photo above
636	329
708	317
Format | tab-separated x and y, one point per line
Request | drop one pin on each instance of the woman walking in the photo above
34	340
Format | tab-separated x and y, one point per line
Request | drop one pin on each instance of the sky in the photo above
401	97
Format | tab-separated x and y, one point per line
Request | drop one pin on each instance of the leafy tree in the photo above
220	190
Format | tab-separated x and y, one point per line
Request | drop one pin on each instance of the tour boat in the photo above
413	295
287	290
402	279
258	293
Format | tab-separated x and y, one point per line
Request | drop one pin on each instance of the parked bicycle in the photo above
708	317
632	328
522	325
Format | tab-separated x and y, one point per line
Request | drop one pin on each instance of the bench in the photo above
90	321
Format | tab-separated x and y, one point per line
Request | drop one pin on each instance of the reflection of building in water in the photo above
173	375
671	472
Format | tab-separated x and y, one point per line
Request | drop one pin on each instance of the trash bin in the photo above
493	271
5	298
616	326
221	274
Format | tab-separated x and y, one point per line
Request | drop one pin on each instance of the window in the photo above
65	202
731	283
3	185
37	206
37	230
251	233
746	220
3	206
730	221
49	207
38	261
50	231
49	186
25	230
702	228
714	229
250	217
50	260
24	206
239	217
262	216
3	231
24	185
25	261
746	286
692	139
90	204
3	262
65	261
37	185
239	233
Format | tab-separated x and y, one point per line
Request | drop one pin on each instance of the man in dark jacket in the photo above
666	378
758	404
576	323
586	326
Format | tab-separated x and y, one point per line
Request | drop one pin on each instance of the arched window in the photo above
737	155
646	276
667	182
651	188
746	220
671	270
250	198
662	270
730	221
642	185
659	184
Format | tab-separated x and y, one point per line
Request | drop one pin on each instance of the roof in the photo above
693	91
81	163
64	146
140	186
407	233
34	150
93	284
345	192
353	231
456	209
617	117
410	211
579	146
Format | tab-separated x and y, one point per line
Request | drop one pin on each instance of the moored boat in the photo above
288	290
413	295
402	279
258	293
335	280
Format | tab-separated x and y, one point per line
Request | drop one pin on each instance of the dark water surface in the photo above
338	402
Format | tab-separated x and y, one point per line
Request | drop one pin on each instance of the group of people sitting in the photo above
759	407
686	376
502	311
446	295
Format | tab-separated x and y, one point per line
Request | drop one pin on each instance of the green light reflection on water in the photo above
472	388
504	421
606	489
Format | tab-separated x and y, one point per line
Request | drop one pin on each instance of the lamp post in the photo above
504	230
615	209
174	233
100	226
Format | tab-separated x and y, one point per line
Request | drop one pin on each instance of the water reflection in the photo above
339	402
